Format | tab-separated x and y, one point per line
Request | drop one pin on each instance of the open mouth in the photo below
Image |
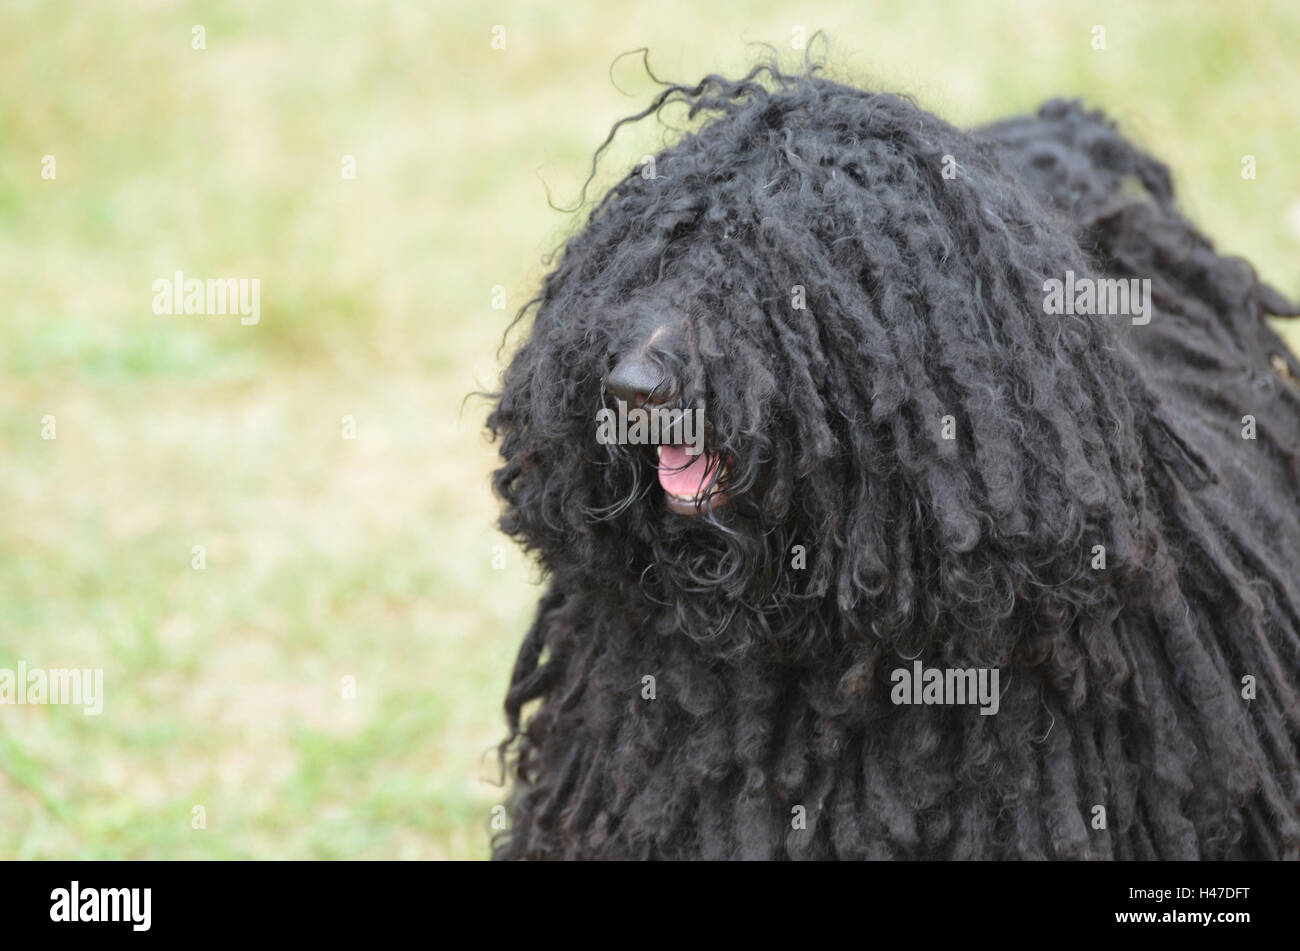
691	482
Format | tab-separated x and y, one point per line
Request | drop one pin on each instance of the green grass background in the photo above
373	558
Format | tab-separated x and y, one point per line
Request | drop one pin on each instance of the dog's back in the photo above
1224	374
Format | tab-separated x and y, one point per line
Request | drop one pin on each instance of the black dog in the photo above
986	555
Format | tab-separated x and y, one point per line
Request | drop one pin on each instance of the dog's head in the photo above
849	292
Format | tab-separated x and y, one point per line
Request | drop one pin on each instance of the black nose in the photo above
637	379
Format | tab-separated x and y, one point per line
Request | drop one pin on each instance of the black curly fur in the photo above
1121	687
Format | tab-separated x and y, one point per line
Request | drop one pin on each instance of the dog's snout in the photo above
637	380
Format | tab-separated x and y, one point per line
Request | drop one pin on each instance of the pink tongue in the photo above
683	474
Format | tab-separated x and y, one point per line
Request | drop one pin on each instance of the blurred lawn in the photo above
372	558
